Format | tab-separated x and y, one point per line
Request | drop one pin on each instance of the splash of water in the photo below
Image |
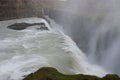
24	52
95	26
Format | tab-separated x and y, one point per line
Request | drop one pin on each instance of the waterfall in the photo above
95	26
24	51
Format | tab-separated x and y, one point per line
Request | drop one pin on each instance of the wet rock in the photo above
22	26
19	26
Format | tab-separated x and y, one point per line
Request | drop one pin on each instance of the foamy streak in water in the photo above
23	52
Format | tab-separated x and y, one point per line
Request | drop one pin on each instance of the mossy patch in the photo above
48	73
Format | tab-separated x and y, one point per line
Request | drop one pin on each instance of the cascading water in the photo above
92	24
24	51
95	26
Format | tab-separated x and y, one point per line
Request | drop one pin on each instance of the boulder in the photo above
22	26
19	26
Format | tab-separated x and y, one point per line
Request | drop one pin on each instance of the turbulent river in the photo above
94	25
25	51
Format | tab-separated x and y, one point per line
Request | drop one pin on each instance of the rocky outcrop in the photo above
19	26
22	26
48	73
14	9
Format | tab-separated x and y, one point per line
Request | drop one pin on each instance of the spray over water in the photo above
95	26
25	51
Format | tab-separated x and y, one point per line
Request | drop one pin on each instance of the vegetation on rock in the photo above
48	73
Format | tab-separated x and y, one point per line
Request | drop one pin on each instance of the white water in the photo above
23	52
95	27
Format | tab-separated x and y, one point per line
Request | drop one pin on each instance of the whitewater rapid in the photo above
23	52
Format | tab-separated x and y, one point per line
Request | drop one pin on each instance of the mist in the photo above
95	26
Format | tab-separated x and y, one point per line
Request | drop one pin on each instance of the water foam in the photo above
23	52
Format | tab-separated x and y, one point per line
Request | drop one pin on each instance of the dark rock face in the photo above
42	28
48	73
22	26
19	26
15	9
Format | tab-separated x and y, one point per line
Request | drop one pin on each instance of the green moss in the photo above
111	77
48	73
